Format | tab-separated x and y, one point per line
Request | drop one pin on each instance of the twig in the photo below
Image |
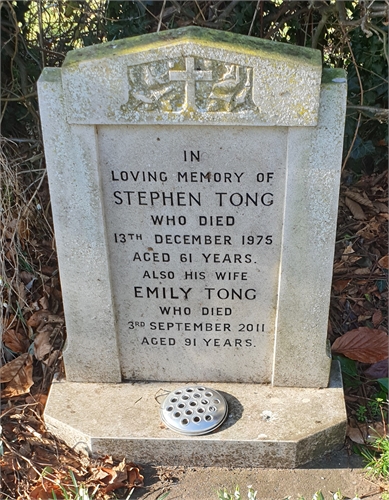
21	98
200	11
40	24
16	139
254	16
325	14
160	16
227	10
151	14
12	450
380	114
361	99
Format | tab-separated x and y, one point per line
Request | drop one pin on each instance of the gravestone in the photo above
194	179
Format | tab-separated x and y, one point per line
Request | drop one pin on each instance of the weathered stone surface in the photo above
192	75
266	427
184	235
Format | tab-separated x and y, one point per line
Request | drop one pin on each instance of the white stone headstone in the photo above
194	179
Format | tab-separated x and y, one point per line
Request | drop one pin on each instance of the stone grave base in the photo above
266	426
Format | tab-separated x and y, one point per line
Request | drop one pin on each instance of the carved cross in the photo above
190	76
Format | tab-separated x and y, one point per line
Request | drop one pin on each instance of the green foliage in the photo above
236	495
368	87
252	495
74	492
349	369
361	413
378	459
125	19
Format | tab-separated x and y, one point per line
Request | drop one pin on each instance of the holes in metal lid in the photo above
194	410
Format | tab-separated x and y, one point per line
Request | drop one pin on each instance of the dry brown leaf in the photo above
18	374
42	317
362	271
135	478
378	370
371	230
362	200
16	341
365	434
42	345
364	344
44	302
52	358
384	262
38	317
340	285
355	209
357	434
380	207
45	489
23	230
348	249
9	370
377	317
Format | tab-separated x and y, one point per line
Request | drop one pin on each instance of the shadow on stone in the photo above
235	411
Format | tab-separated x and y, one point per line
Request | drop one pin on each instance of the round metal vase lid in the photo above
194	410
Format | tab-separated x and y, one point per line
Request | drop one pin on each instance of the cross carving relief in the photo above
190	75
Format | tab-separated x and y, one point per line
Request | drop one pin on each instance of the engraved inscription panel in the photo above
189	84
194	224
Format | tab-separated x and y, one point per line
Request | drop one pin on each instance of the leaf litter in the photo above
358	326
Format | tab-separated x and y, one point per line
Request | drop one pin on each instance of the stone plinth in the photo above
266	427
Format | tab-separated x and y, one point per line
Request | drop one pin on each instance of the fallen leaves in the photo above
48	465
16	341
355	209
384	262
378	370
102	480
17	374
363	344
364	434
112	478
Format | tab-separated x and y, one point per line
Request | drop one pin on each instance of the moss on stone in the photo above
333	75
51	75
203	36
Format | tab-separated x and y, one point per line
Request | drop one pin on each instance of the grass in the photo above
377	465
252	495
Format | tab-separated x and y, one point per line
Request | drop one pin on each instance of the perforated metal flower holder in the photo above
194	410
